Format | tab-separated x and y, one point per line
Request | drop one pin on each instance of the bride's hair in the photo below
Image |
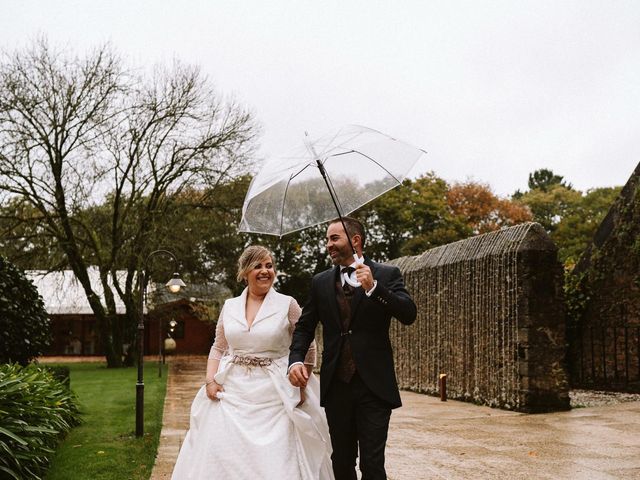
251	257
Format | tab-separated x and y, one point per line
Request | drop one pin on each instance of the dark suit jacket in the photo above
370	320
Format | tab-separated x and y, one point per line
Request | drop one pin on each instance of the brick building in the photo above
74	326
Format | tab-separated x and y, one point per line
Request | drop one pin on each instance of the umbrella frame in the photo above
334	199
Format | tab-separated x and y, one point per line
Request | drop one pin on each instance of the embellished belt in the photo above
251	361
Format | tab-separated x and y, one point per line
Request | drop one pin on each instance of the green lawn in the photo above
105	446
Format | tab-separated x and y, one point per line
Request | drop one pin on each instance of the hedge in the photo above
36	411
25	331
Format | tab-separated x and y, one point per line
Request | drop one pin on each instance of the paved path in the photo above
185	377
430	439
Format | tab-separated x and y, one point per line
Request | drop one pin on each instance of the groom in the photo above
357	379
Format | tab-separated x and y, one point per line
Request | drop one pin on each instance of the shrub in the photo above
36	411
60	373
24	325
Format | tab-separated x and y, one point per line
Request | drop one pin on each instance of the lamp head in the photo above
175	284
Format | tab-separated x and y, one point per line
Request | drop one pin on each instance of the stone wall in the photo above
604	327
491	317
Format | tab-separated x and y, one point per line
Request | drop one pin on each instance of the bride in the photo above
248	421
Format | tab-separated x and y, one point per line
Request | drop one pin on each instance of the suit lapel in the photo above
266	309
359	293
271	305
235	309
330	285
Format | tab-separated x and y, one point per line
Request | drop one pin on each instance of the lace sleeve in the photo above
294	314
220	345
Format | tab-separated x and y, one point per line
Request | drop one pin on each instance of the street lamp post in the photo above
174	285
160	324
162	347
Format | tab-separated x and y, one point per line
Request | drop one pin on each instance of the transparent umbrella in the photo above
324	179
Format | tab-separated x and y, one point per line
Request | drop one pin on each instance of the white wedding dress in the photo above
256	431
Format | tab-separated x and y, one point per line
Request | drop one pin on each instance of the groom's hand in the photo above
364	276
298	375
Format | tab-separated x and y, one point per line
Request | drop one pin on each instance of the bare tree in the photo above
101	154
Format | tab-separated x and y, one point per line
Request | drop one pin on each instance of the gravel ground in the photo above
597	398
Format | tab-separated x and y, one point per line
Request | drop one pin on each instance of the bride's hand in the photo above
212	390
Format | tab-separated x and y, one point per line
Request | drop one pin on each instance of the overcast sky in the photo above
492	90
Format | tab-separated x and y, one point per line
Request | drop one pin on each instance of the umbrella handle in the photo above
347	278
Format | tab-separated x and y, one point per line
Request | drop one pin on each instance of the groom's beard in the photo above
344	257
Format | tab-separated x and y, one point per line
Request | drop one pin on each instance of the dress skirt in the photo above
256	430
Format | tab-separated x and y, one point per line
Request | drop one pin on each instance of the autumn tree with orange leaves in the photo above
482	210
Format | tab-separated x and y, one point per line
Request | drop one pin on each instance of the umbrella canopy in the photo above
359	164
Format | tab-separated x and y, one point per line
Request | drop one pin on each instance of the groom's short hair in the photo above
353	227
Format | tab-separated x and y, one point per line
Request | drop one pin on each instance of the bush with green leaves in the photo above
61	373
36	411
25	330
